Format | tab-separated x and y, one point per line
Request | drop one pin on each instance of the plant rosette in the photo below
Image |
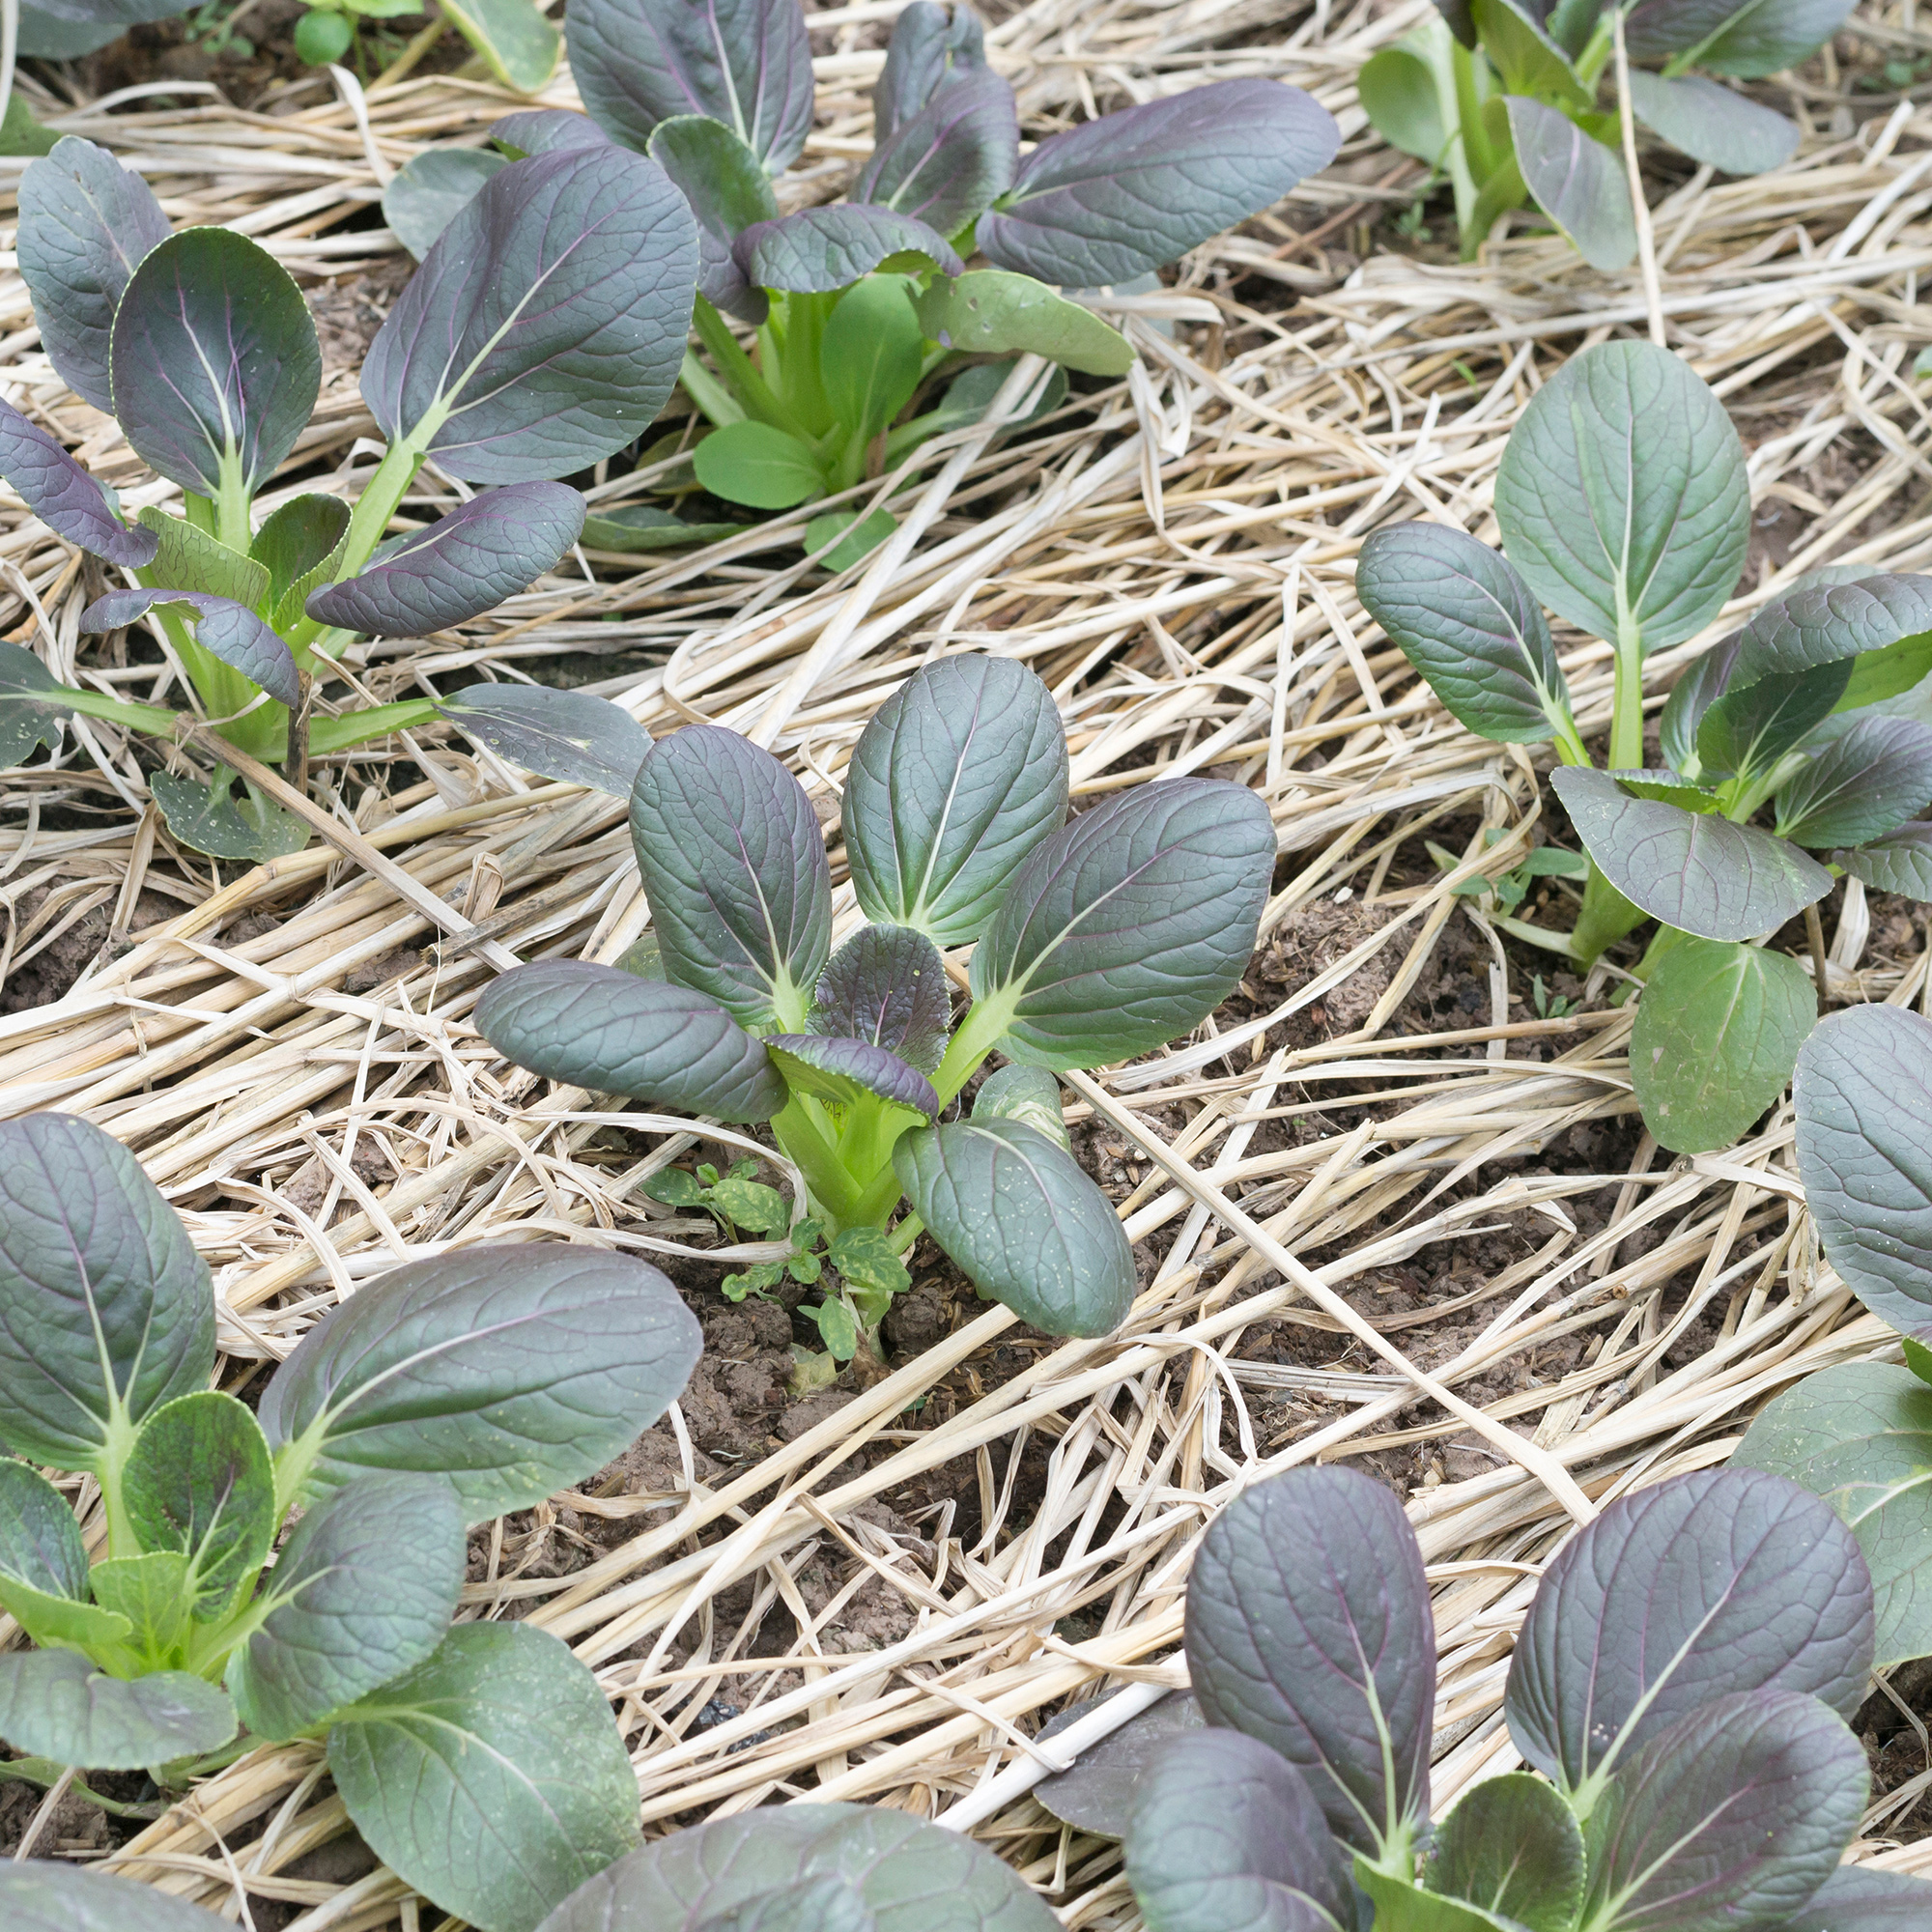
1679	1691
480	1762
1092	940
1501	97
1625	508
541	334
852	307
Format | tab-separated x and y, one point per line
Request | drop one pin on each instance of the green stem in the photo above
1605	918
829	1189
741	375
230	508
985	1026
1568	741
715	402
358	728
1627	713
377	505
1561	943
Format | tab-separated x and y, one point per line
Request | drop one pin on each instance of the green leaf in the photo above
1026	1094
40	1542
990	312
55	1704
1712	123
1577	181
42	1895
191	560
633	526
1023	1221
1398	92
105	1308
1750	38
675	1188
1885	622
299	545
754	464
199	1482
212	819
27	717
1511	1846
1747	730
491	1777
1525	60
751	1205
869	358
154	1593
1860	1436
1623	488
728	192
431	188
857	539
518	44
364	1590
1402	1907
836	1329
1864	784
561	734
1717	1035
59	1622
868	1258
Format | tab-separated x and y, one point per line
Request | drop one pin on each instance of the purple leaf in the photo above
728	192
886	985
1577	181
1854	1898
1860	787
547	130
1901	862
952	160
64	495
846	1071
931	49
230	630
820	249
1884	620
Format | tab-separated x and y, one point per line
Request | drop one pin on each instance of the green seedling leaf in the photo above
1748	730
31	705
1694	871
931	48
187	559
1403	1906
1622	495
1467	622
1860	785
750	1204
85	223
515	1371
1717	1035
753	1280
1738	1812
154	1594
1115	198
545	326
729	190
41	1896
675	1188
1884	622
754	464
106	1312
566	735
949	162
1129	926
223	628
1026	1094
858	538
886	986
213	362
516	43
957	778
199	1482
1398	93
1512	1848
870	355
1222	1832
633	528
490	1776
847	1071
836	1329
1526	61
1901	862
1098	1793
743	62
820	249
991	313
431	188
56	1704
364	1590
1720	1581
1860	1436
1023	1221
1855	1898
63	494
907	1872
296	543
734	868
39	1543
869	1261
1309	1631
207	818
1745	37
1863	1094
1712	123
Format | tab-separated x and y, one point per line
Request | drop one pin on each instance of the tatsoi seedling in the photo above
542	334
479	1762
1502	97
1093	941
856	305
1679	1691
1625	508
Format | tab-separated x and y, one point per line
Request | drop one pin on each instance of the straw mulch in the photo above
289	1049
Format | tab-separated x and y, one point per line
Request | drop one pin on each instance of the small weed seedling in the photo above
479	1762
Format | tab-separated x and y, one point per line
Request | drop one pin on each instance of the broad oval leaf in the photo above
223	628
735	870
988	311
1691	698
1398	93
1117	197
1099	1791
1131	925
758	465
846	1071
1860	1435
1747	730
1309	1630
85	223
1861	785
605	1029
545	130
636	526
364	1590
1901	862
514	40
956	778
430	190
1576	180
1525	58
729	190
820	249
515	1371
1723	1580
1403	1906
105	1305
887	985
1745	38
39	1541
1863	1094
1712	123
1694	871
746	62
1623	488
463	564
932	47
1887	620
192	560
1511	1847
223	823
871	357
213	360
54	1703
1717	1035
1854	1898
1226	1833
64	495
1467	621
949	162
32	704
1024	1222
61	29
41	1896
566	735
490	1776
1021	1093
199	1482
915	1877
1737	1812
545	327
